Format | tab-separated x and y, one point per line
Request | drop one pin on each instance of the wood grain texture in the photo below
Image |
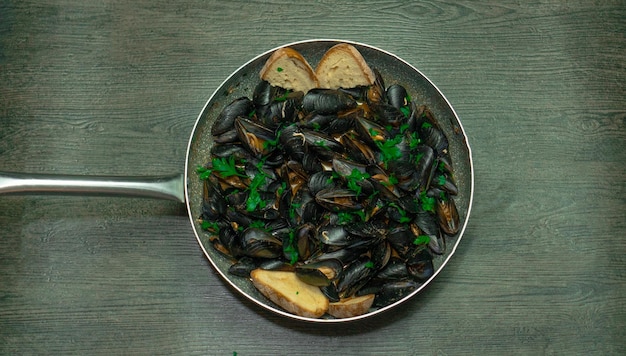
114	87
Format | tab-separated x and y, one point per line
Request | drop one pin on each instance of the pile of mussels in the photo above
350	188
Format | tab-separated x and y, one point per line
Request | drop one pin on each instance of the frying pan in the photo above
187	187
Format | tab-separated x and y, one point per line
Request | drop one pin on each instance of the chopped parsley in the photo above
428	203
272	143
389	149
281	189
345	217
421	240
369	264
354	186
279	69
226	167
406	111
254	199
210	226
204	172
414	140
353	179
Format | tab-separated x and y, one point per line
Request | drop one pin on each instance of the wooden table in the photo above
114	87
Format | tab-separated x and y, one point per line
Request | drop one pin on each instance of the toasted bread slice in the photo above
287	68
349	307
289	292
343	66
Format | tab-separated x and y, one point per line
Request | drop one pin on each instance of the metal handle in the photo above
167	187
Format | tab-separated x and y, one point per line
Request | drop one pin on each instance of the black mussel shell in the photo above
243	267
447	214
225	121
355	276
338	200
320	273
327	101
256	242
397	96
420	265
256	138
392	292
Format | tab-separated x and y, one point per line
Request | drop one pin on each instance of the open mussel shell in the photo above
242	83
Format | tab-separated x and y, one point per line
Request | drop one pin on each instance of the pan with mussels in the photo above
360	191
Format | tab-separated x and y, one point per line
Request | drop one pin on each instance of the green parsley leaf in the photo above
271	143
352	185
210	226
403	127
281	189
279	69
357	175
421	240
254	201
414	140
389	149
428	203
406	111
204	172
369	264
226	167
345	217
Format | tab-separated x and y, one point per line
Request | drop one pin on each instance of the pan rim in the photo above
266	306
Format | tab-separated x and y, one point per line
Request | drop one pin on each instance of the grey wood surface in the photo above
114	87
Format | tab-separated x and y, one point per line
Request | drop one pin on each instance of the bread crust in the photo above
287	68
337	62
350	307
290	293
